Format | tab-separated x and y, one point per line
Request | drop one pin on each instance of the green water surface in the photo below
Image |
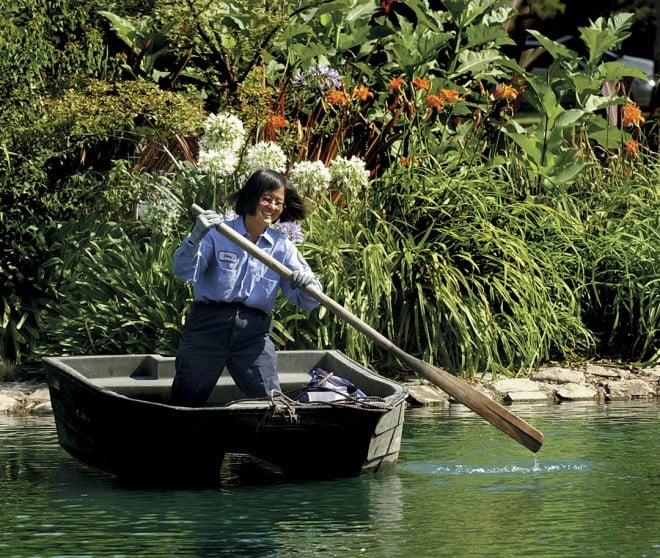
461	488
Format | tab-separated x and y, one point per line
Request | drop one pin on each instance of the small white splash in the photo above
536	468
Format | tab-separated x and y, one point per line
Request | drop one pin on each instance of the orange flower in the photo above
362	92
504	92
631	148
409	161
276	122
422	83
386	5
435	102
448	95
632	115
336	97
396	83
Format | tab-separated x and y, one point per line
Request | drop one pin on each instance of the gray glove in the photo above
205	222
301	278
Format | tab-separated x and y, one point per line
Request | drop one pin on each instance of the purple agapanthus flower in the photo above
291	229
320	78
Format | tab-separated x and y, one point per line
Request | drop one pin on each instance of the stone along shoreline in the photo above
551	384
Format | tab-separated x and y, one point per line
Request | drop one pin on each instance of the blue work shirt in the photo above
222	271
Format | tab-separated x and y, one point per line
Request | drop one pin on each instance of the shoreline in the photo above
555	384
550	384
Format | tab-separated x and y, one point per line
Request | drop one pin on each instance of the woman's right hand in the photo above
206	221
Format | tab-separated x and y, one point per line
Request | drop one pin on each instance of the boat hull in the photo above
112	413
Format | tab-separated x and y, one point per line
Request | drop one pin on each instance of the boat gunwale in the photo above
240	405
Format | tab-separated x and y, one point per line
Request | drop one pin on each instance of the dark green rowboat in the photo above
113	413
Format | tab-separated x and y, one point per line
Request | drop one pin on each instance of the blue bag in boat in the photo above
324	386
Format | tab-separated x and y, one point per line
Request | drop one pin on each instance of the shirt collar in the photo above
268	234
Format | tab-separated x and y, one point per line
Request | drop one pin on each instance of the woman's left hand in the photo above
301	278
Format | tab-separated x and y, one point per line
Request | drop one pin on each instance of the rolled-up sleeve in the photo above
299	297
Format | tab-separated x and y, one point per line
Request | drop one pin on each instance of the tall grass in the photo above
453	265
116	292
621	296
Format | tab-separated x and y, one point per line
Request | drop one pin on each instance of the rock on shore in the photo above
552	384
24	398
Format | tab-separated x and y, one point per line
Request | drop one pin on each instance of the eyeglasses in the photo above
267	200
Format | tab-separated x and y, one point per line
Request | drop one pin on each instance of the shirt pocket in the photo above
227	279
263	294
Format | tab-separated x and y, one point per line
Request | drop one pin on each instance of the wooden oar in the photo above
492	411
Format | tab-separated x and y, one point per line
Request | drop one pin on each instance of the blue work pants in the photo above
219	335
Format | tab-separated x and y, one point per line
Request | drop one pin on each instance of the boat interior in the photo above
149	377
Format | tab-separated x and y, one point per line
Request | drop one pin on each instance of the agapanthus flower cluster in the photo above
319	78
222	148
162	213
223	131
350	175
311	178
291	229
220	163
265	155
223	138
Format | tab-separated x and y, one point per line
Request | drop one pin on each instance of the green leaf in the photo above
484	34
568	173
595	103
605	34
124	29
555	49
529	145
610	137
568	118
614	71
474	62
541	96
430	43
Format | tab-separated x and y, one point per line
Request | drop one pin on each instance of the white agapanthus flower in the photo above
265	155
311	178
218	162
223	132
161	213
350	175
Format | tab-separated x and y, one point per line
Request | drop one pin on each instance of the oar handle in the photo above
493	412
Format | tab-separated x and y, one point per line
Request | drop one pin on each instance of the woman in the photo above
229	323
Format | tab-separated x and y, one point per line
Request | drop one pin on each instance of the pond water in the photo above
461	488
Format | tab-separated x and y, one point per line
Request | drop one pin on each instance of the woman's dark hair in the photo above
261	182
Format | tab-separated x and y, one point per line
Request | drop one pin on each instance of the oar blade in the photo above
498	415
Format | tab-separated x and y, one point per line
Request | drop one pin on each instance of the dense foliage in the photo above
509	219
